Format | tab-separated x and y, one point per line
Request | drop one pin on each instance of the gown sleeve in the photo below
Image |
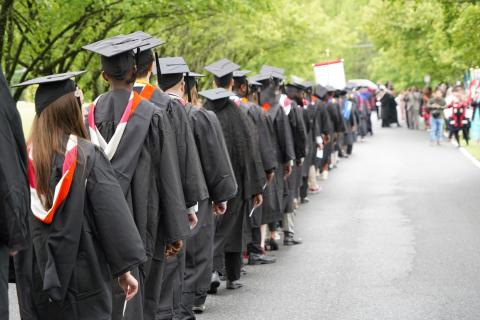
285	137
114	225
300	134
318	124
267	152
162	143
14	190
255	172
214	157
194	186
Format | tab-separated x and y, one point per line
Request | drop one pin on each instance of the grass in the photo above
27	113
473	148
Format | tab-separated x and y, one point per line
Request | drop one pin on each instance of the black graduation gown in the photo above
193	181
194	190
324	128
389	110
335	116
236	128
222	187
14	189
146	165
297	125
310	121
79	255
266	150
14	193
350	123
282	141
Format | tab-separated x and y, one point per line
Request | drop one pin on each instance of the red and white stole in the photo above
96	137
61	189
286	103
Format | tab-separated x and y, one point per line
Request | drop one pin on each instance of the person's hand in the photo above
219	208
326	138
299	162
270	176
13	253
257	200
287	170
172	249
193	219
129	285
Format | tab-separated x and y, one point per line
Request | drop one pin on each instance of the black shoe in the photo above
214	283
255	258
304	200
291	241
199	309
232	285
273	245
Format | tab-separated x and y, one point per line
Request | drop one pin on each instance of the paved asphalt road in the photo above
395	234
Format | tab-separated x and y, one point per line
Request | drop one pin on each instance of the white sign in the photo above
330	73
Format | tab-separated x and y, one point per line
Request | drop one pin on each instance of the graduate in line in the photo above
241	87
325	130
249	175
294	113
170	73
222	187
282	141
79	254
139	140
14	191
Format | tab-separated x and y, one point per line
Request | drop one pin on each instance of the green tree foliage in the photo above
46	36
413	38
383	40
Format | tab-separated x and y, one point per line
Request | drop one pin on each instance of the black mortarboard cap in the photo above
254	82
172	70
330	88
222	68
260	77
195	75
308	85
320	91
216	94
172	65
51	88
147	41
240	73
191	78
146	56
297	85
116	53
275	72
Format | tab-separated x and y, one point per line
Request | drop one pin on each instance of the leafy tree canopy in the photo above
398	40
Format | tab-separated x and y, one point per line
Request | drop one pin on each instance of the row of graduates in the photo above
132	211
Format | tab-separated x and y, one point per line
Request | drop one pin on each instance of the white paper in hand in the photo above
320	153
124	308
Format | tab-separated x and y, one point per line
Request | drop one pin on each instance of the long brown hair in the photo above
47	138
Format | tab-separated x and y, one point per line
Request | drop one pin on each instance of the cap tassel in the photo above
157	65
187	85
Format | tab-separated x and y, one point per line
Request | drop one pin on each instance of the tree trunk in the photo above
4	11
